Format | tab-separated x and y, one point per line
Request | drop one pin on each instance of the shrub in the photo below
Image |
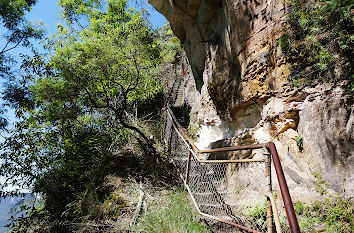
172	214
335	213
256	212
320	41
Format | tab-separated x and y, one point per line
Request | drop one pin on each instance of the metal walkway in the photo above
218	192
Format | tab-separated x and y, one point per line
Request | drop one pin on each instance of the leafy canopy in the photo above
18	33
109	63
76	115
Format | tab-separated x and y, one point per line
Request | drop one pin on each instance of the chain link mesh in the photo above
223	190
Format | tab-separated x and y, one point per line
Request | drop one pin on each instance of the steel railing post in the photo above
188	167
293	223
269	190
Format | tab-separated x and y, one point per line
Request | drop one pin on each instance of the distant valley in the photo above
5	207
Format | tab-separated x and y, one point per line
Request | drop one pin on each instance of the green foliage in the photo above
299	142
284	43
79	171
338	214
75	111
193	130
336	211
31	147
105	66
170	45
19	32
121	51
321	185
256	212
12	12
299	208
320	40
172	214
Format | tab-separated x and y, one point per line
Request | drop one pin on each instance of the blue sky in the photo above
47	11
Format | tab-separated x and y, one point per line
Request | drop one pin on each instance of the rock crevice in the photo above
238	79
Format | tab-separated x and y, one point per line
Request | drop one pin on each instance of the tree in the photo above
109	64
19	33
100	71
75	119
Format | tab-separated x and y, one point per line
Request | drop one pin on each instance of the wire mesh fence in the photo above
220	189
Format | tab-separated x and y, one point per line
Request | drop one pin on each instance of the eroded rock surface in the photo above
231	47
237	78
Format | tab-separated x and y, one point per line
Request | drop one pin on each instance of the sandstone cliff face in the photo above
237	81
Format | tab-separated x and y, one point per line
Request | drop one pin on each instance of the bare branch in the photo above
4	50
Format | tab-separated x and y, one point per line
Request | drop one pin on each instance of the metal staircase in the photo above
213	191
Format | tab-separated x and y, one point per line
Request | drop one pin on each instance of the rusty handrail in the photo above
190	143
288	204
289	208
221	149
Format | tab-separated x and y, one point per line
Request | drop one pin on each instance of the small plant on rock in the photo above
335	213
299	142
